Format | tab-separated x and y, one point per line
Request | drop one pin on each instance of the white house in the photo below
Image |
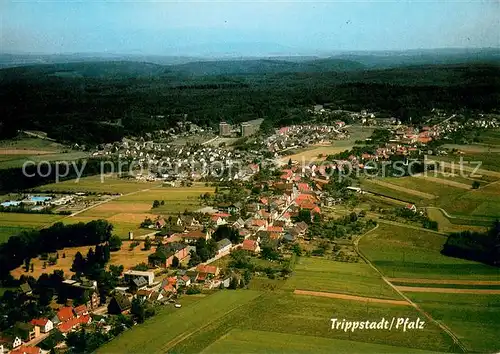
44	324
224	246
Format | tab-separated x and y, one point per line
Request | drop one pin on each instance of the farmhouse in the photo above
164	255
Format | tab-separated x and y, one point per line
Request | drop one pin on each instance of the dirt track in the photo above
26	152
445	181
350	297
416	289
403	189
444	281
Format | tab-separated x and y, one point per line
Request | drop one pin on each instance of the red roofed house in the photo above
65	313
195	235
277	229
81	310
251	246
24	349
208	269
73	323
259	224
44	324
303	187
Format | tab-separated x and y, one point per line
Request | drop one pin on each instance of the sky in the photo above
256	27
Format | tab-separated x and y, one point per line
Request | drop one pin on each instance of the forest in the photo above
78	102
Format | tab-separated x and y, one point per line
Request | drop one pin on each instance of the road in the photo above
110	199
448	331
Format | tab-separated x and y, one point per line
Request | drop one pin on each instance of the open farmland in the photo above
112	185
403	252
312	153
318	274
473	317
271	342
28	220
169	328
278	313
127	212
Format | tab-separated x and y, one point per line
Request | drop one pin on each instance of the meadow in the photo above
473	317
164	330
8	231
28	220
313	152
408	253
280	314
319	274
109	184
254	341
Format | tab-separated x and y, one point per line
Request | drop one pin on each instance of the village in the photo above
262	211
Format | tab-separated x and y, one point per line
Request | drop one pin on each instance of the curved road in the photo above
448	331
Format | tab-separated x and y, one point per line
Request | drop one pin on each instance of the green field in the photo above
251	341
279	312
17	160
474	318
27	220
8	231
408	253
94	184
318	274
161	332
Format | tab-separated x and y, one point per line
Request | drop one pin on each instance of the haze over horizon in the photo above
245	28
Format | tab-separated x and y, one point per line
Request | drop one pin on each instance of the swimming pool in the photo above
10	203
39	199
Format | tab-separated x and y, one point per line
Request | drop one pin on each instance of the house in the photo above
220	218
275	229
160	223
84	288
119	303
230	208
26	289
164	255
224	246
168	289
251	246
64	314
26	331
244	233
10	342
129	275
44	324
156	296
24	349
411	207
301	227
186	221
194	236
238	223
74	323
183	280
208	269
139	283
81	310
144	294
